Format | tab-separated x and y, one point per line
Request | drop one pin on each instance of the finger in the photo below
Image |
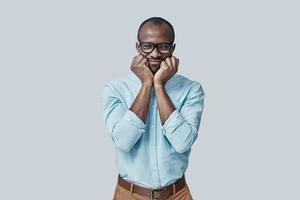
139	58
144	61
134	59
172	67
163	64
168	61
177	64
173	59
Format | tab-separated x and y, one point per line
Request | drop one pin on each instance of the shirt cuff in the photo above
133	119
174	120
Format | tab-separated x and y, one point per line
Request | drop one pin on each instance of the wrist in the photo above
158	84
147	84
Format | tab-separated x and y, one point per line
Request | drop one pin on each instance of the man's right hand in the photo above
140	67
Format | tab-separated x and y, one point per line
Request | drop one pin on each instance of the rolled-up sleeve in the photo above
181	127
124	126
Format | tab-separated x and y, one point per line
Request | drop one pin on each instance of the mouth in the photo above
154	62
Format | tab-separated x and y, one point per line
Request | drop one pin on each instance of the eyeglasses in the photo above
148	47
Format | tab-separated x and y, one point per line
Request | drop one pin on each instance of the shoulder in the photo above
121	84
187	83
119	80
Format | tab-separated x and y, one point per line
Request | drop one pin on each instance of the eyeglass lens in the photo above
161	47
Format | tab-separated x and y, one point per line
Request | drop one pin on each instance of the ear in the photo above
173	48
137	46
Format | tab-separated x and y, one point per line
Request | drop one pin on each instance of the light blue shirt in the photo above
149	154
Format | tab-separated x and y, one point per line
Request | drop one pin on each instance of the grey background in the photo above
55	57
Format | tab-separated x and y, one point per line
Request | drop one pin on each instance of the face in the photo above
156	34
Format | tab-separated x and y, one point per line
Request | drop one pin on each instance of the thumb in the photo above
145	62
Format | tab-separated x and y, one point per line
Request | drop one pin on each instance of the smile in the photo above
154	61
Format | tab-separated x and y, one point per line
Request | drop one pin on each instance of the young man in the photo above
153	116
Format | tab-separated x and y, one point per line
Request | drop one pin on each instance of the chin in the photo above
154	67
154	71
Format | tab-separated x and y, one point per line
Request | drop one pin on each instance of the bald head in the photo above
156	26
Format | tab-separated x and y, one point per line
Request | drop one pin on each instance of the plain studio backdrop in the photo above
55	57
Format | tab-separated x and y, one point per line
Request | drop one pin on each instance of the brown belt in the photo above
159	194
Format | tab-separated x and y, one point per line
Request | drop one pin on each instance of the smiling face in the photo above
155	33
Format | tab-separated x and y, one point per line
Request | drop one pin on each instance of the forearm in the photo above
164	103
181	126
141	103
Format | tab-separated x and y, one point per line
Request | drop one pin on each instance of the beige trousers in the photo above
123	194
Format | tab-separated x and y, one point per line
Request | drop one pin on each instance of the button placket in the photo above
154	169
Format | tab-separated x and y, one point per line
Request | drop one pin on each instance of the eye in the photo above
164	46
147	46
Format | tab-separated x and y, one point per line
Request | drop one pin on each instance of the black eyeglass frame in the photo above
156	46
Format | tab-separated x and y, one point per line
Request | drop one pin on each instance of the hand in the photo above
140	67
168	68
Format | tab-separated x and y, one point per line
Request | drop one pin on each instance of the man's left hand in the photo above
168	68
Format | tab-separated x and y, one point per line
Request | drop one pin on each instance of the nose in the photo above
155	53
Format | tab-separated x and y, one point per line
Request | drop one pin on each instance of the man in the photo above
153	116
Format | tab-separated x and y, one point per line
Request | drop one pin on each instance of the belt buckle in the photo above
157	190
152	194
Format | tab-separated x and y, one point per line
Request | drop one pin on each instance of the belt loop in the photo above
131	188
174	188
